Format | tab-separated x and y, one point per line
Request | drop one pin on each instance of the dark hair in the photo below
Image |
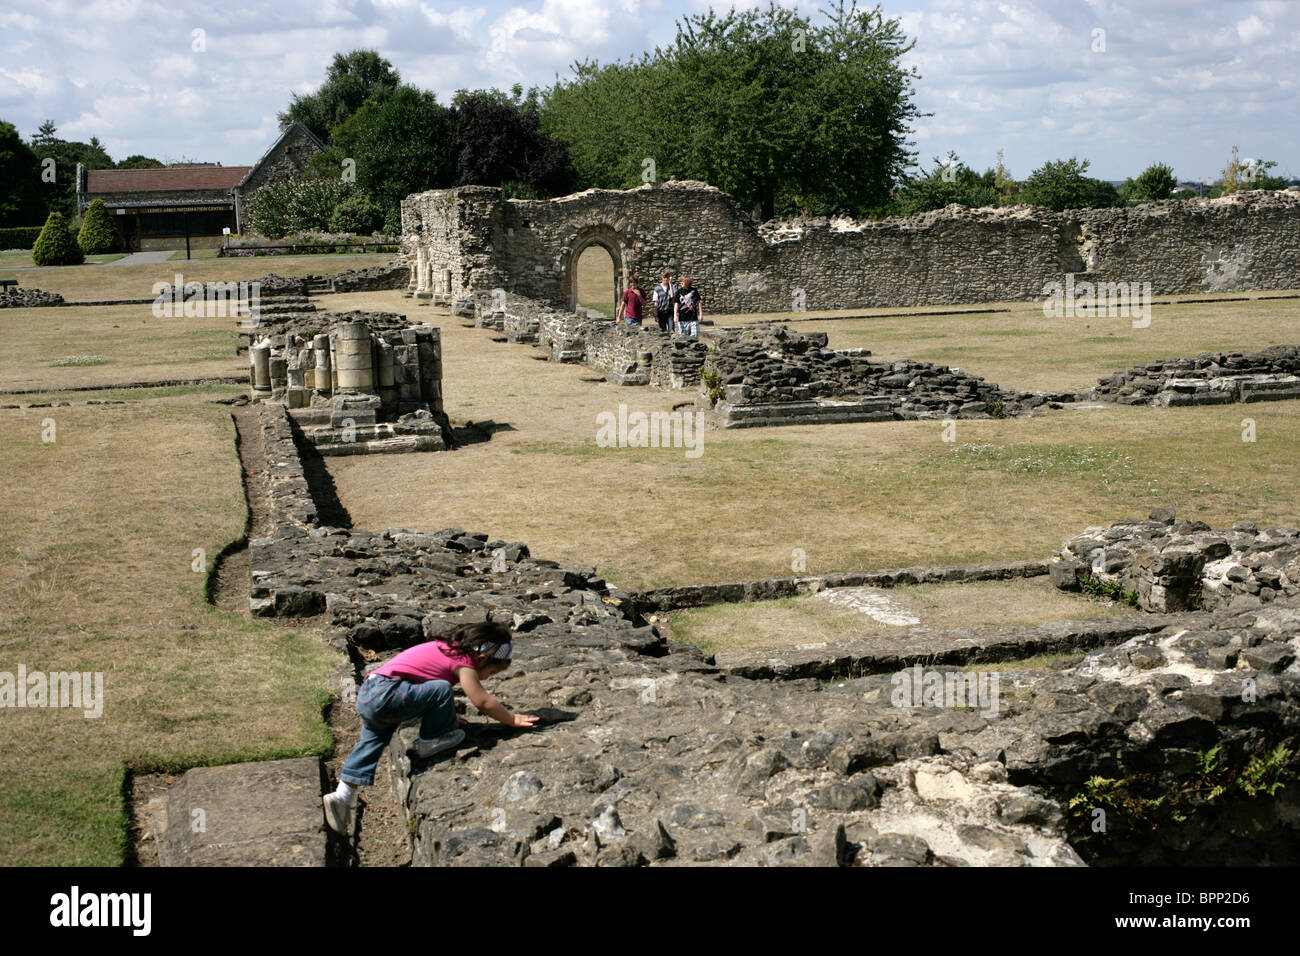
481	639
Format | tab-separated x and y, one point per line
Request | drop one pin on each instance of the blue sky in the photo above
1169	80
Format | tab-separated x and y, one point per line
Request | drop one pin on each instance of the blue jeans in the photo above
385	703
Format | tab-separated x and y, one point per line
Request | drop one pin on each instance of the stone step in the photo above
267	813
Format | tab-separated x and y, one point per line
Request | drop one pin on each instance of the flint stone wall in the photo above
17	298
648	753
773	375
1175	566
470	239
626	356
1211	378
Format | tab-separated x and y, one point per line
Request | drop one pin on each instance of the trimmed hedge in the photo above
19	237
98	231
56	245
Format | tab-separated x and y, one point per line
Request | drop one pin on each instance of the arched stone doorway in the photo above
605	238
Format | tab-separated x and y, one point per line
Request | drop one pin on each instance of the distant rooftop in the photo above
167	179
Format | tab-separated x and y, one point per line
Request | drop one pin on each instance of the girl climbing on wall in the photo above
417	683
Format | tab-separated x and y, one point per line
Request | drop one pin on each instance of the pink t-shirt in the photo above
431	660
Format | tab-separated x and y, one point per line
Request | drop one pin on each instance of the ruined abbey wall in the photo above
469	239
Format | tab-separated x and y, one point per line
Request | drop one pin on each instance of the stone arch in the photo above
605	237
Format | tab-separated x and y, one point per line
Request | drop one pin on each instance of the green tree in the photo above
56	246
352	80
1241	176
401	144
1103	194
290	206
1059	185
1006	186
358	213
950	181
61	195
137	161
98	231
1153	184
21	201
764	104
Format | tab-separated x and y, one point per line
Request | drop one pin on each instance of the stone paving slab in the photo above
251	814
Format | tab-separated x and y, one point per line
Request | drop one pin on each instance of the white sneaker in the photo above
427	748
338	813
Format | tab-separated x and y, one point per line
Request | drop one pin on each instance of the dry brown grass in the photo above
1023	349
852	496
803	620
80	283
97	549
137	347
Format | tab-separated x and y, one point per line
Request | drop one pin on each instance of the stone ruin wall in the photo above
469	239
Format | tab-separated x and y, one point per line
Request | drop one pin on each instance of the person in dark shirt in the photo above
688	309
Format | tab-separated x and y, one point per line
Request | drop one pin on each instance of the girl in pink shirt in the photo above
417	683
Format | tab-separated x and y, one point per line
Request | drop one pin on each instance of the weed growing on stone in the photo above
1106	589
1145	803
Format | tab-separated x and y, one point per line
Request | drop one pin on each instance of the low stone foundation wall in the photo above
16	298
773	375
770	589
646	752
1211	378
1173	566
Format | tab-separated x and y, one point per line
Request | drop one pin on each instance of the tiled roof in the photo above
168	179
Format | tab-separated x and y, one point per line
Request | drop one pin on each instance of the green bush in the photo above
357	213
19	237
297	205
393	221
98	231
56	246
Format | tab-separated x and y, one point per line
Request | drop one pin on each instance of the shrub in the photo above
393	221
357	213
19	237
56	246
98	231
295	205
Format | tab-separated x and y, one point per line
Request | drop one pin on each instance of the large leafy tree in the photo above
21	199
352	80
765	104
137	161
61	195
497	142
1153	184
1059	184
401	143
950	181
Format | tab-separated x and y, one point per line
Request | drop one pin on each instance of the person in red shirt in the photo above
417	683
632	304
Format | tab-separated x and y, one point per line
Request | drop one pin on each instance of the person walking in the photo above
662	296
632	305
688	309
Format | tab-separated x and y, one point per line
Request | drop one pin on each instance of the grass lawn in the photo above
807	619
133	344
96	552
22	259
77	283
853	496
